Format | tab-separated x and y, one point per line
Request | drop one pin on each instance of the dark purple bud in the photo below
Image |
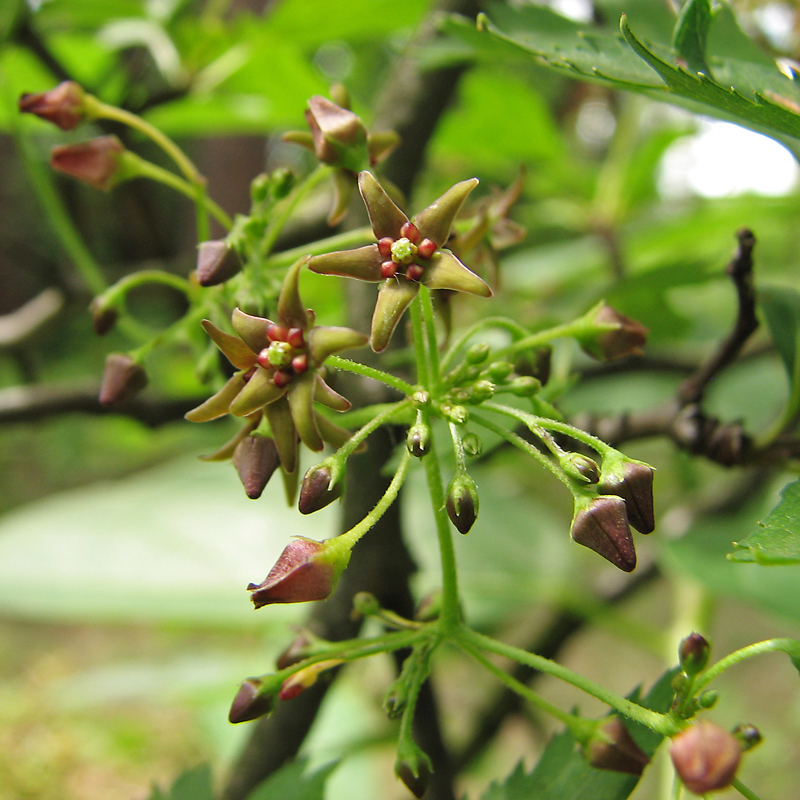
613	335
122	379
748	735
635	487
317	492
613	748
63	106
693	653
297	651
418	440
580	468
462	502
250	702
602	526
216	262
414	769
705	757
103	317
255	458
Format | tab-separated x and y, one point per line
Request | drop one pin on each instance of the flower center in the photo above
403	251
279	354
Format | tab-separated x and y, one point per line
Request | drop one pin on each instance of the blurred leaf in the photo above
291	783
562	772
779	540
691	32
194	784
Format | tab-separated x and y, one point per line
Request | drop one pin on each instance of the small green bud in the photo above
429	607
580	468
693	653
524	386
420	399
748	735
679	683
365	604
482	390
456	414
418	439
462	502
473	446
460	395
478	353
708	699
499	371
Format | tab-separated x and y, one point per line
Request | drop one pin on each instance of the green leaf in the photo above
194	784
563	774
291	781
778	540
691	33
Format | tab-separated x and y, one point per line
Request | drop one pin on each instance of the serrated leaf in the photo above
744	89
291	781
691	34
193	784
563	774
778	540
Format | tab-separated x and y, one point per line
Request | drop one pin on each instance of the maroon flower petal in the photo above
232	347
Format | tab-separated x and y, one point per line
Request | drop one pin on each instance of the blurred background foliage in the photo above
124	627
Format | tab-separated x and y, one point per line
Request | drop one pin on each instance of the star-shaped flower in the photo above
408	252
279	375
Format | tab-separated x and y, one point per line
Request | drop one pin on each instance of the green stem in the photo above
743	790
660	723
146	169
420	343
434	374
349	447
341	241
572	328
124	285
349	538
287	208
790	646
370	372
514	328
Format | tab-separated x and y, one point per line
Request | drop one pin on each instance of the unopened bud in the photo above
316	491
613	748
123	378
414	769
97	162
462	502
748	735
602	526
498	371
580	468
635	486
255	459
63	105
482	390
473	446
705	757
365	604
478	353
429	608
456	414
104	317
421	398
524	386
299	649
693	653
708	699
216	262
251	701
306	677
418	439
612	335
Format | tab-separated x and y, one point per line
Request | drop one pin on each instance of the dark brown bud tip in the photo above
103	317
316	492
122	379
614	749
705	757
462	502
602	526
255	458
619	336
250	703
415	776
693	652
63	106
636	489
216	263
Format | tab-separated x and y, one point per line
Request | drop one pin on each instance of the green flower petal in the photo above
252	329
381	144
394	297
325	340
283	432
445	271
291	311
436	220
301	404
259	391
384	216
226	451
333	434
363	263
303	138
328	397
233	348
219	404
344	186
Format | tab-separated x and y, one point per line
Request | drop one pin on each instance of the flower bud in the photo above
63	105
97	162
217	261
473	446
705	757
300	648
748	735
429	608
421	398
613	748
498	371
414	768
462	502
478	353
255	458
524	386
602	526
418	439
104	317
456	414
306	570
708	699
365	604
251	701
580	468
612	335
122	379
316	491
693	653
635	486
481	390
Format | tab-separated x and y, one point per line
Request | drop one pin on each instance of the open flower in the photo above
279	375
408	252
338	138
